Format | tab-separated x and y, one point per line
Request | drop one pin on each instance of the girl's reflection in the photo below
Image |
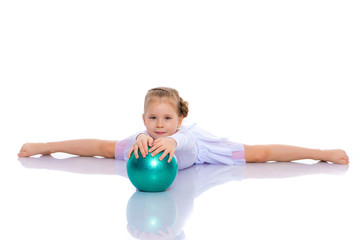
163	215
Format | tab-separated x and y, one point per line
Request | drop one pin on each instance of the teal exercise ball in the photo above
149	174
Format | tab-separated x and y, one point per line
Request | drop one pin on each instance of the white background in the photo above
255	71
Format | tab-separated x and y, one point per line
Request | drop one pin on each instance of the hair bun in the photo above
184	108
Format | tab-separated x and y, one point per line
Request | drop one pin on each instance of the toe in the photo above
345	161
22	153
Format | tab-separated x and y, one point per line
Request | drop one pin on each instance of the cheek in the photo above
175	127
147	124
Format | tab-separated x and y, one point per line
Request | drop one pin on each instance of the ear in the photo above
180	121
143	116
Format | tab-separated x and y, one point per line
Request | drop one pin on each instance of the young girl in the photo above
164	112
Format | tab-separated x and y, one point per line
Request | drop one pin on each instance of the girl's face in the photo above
161	118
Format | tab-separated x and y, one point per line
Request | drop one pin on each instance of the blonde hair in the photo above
163	92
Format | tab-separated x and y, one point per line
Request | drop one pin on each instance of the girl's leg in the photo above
82	147
285	153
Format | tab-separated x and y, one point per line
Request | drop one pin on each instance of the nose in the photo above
159	123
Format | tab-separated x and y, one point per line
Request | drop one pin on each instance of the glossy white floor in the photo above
255	71
62	197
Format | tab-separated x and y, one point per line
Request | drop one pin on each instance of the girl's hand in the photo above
142	143
167	145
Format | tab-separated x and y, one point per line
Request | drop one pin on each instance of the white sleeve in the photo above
186	149
138	133
184	140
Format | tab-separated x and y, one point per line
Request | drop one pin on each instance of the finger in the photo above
162	233
154	147
163	155
150	142
170	157
146	148
136	151
158	150
142	150
130	151
157	141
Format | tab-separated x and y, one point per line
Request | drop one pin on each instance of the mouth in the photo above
160	133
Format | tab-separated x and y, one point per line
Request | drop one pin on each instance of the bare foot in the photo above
31	149
336	156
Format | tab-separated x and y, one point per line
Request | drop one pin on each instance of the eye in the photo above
152	118
168	118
